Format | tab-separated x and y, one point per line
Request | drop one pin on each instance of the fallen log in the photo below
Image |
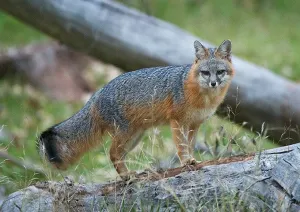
52	68
129	39
267	181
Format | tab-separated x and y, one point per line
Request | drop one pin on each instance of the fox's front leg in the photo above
180	138
192	133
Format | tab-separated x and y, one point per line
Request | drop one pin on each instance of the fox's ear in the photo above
200	50
224	50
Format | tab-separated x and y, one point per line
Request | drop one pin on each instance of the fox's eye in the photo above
206	73
220	72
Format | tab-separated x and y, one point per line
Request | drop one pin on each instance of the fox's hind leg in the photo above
121	145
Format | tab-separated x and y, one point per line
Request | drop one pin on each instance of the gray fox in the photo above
183	96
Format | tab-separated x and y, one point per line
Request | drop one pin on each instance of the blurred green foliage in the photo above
264	32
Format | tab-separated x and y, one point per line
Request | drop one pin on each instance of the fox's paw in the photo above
190	161
128	176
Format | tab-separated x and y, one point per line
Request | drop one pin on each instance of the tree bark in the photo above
267	181
129	39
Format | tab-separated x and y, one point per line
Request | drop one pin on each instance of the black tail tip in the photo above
47	144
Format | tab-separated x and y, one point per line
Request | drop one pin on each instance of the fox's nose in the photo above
213	84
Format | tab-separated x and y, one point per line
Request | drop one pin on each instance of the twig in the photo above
277	153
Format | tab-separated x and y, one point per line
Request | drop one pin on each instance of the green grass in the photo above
266	35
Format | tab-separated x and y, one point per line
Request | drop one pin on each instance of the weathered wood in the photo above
52	68
265	182
131	40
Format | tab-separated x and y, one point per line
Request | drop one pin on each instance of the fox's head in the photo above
214	65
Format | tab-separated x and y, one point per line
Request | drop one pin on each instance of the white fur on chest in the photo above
200	115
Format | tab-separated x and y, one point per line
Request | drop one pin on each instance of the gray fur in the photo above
78	125
214	66
136	88
140	88
200	50
225	49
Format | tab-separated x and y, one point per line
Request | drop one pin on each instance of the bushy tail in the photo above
66	142
47	146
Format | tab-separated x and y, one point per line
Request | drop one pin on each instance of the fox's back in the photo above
144	90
